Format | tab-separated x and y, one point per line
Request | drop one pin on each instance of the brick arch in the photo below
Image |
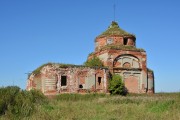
127	65
126	60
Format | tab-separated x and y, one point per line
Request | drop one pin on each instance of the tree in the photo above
94	62
116	85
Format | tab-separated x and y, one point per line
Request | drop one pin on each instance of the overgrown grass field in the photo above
33	105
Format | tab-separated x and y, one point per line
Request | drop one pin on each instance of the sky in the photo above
34	32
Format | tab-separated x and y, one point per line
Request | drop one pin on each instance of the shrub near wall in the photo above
117	86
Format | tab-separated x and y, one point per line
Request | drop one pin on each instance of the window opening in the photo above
109	41
63	80
80	86
99	80
125	41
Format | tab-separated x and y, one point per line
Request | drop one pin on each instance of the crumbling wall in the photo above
34	82
55	80
127	63
113	40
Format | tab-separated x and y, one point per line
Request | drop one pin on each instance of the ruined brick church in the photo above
117	50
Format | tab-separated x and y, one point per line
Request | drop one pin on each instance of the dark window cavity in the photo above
125	41
80	86
99	80
63	80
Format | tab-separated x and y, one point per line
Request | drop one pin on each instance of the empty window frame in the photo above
99	80
109	41
125	41
63	80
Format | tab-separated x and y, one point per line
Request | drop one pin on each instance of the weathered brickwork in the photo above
53	79
117	50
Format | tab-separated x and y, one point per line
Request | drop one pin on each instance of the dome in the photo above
115	30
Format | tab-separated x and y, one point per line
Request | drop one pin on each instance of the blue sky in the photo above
34	32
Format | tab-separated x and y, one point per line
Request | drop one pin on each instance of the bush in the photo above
7	97
94	62
116	85
15	102
37	97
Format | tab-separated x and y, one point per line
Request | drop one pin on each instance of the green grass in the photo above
161	106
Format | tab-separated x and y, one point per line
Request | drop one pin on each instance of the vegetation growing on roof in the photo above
114	29
37	70
149	70
122	47
94	62
61	65
92	53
